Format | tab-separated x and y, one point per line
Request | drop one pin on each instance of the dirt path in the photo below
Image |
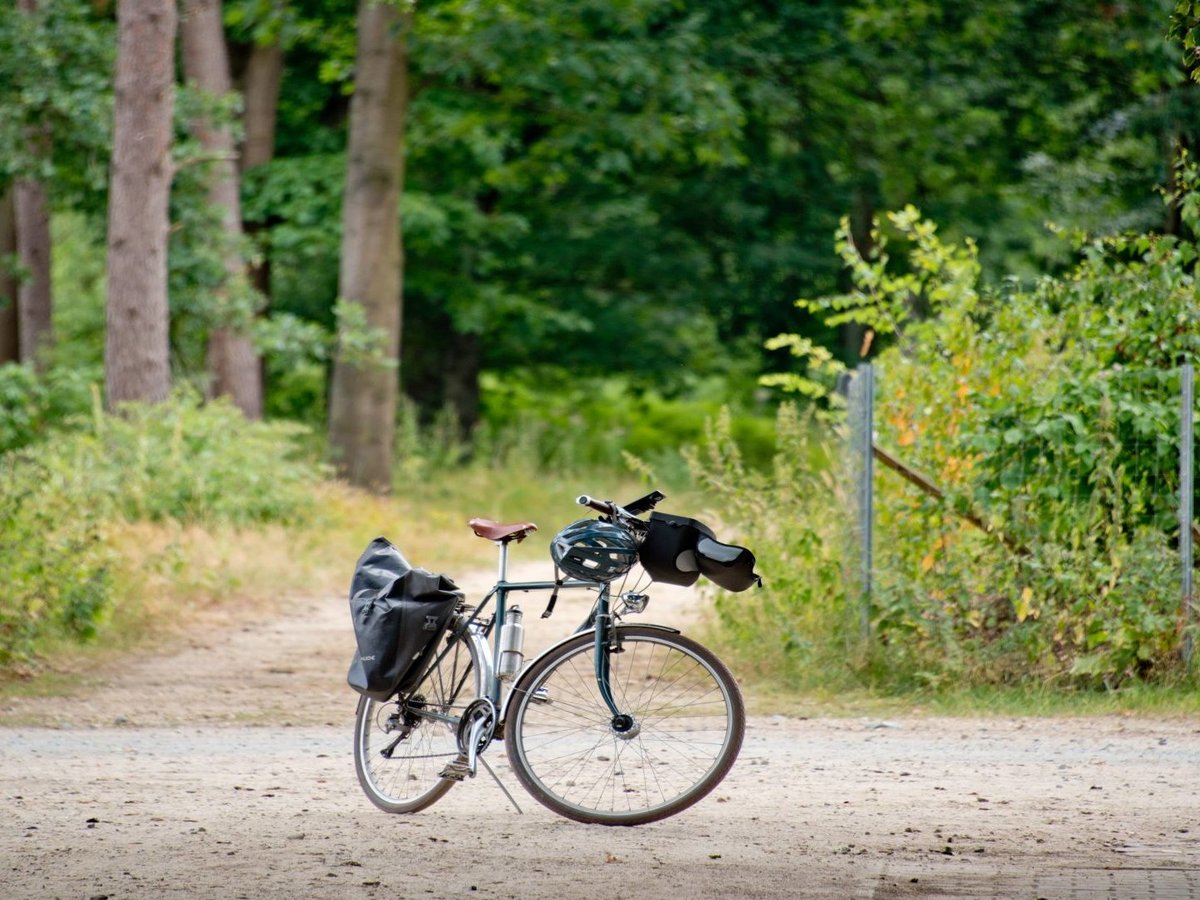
223	769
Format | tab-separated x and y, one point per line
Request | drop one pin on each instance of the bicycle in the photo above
616	724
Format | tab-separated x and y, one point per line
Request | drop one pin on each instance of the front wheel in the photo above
680	729
402	745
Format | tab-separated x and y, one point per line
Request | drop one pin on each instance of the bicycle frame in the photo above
488	653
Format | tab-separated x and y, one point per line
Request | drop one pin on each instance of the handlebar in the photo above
601	506
630	510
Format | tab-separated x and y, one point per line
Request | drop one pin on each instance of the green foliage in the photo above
56	95
198	463
1051	414
295	352
78	277
560	419
204	293
301	198
637	186
62	497
31	406
798	630
1185	28
53	554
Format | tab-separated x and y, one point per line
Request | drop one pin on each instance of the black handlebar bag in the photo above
400	613
728	565
678	550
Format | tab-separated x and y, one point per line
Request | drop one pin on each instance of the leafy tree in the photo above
54	64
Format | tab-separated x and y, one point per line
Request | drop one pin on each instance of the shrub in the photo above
56	563
62	498
30	405
1049	413
799	628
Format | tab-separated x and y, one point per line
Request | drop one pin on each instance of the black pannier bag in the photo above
678	550
400	614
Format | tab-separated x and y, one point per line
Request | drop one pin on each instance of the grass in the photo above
1170	701
174	576
171	576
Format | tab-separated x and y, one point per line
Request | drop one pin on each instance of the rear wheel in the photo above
680	729
402	745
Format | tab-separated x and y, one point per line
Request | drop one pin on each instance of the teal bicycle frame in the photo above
600	617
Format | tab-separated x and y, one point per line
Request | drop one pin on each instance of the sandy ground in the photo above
222	767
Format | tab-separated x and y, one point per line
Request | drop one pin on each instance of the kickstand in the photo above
496	777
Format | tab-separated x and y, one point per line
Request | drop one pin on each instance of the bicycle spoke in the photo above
685	728
409	778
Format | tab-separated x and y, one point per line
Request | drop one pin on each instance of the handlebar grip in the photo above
600	506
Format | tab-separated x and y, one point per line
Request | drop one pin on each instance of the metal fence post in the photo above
1186	493
866	490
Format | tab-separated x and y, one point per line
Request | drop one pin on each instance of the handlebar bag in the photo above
728	565
399	614
668	552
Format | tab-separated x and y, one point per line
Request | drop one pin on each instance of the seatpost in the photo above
493	690
502	575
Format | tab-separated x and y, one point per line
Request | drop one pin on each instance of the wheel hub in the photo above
625	727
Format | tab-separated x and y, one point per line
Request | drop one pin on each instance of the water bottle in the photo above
512	639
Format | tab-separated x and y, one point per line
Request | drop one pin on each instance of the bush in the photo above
56	563
798	629
61	500
594	421
195	462
1049	414
31	405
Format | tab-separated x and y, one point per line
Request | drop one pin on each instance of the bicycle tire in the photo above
688	725
409	780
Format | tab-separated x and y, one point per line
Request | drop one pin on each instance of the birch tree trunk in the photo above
362	404
233	363
136	364
9	346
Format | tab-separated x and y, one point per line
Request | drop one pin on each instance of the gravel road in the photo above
221	767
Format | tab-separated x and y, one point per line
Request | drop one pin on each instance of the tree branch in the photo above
927	486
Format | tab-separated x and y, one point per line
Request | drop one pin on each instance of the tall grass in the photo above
798	630
68	501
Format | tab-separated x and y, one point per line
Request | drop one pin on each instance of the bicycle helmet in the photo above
591	550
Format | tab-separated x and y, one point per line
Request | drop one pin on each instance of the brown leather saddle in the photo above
495	531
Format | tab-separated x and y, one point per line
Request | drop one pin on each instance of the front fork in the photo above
606	645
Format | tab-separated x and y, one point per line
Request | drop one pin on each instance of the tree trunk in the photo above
441	364
263	79
362	403
264	76
233	362
136	366
34	302
9	345
34	298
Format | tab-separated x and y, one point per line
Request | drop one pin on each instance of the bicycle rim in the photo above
688	723
402	745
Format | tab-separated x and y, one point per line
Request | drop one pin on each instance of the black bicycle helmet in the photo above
591	550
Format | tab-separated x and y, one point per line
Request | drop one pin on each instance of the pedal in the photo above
457	769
